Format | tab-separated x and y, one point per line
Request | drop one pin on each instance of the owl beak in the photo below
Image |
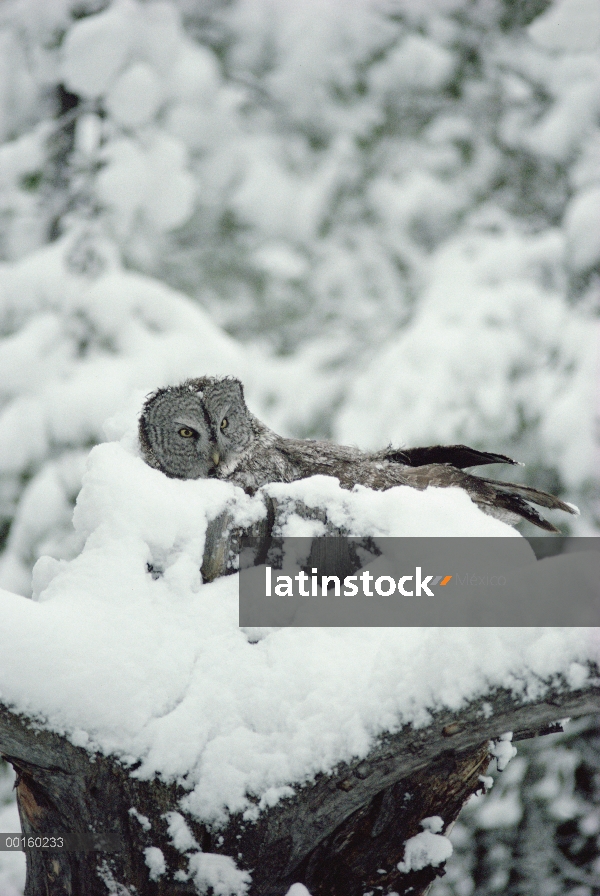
216	457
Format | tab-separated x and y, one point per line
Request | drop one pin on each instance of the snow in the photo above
419	63
418	234
155	861
149	180
504	812
434	823
137	58
487	781
135	97
179	832
577	675
83	344
158	670
582	227
96	48
12	865
195	74
217	874
143	820
503	750
88	134
568	25
487	296
400	511
427	848
342	236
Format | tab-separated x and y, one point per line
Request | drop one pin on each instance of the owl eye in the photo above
224	423
186	433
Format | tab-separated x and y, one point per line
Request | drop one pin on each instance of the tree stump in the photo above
342	834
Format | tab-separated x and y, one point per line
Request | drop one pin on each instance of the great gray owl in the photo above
203	428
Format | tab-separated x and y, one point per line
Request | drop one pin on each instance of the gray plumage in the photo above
203	428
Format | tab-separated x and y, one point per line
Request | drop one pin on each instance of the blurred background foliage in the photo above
383	215
537	831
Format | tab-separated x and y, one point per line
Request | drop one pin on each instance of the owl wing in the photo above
382	470
329	453
519	498
313	454
504	500
459	456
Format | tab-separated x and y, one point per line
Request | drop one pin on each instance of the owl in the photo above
203	428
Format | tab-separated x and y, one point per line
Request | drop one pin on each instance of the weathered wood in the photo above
311	823
342	834
334	834
63	789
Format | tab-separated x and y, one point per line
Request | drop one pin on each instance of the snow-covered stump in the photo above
63	789
346	831
232	761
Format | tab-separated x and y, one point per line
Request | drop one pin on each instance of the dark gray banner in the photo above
420	582
99	842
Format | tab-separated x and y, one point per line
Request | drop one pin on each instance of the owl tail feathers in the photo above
459	456
515	499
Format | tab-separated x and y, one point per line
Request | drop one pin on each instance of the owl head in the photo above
192	430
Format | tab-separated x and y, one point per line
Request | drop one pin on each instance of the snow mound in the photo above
157	669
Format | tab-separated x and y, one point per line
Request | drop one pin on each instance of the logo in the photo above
415	585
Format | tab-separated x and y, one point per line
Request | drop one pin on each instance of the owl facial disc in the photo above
176	436
196	429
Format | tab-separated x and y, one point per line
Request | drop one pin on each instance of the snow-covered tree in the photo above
398	197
